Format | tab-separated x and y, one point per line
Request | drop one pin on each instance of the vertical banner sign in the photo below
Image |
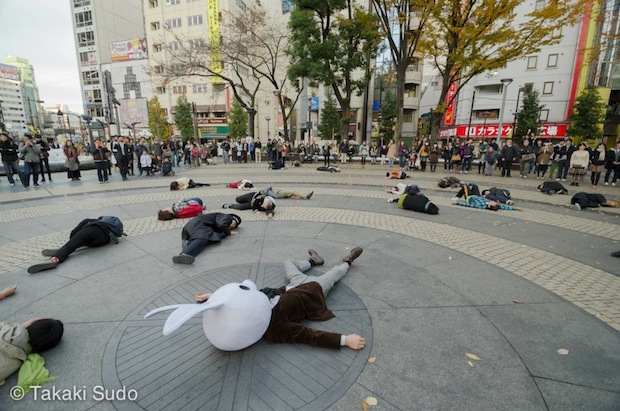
448	117
213	11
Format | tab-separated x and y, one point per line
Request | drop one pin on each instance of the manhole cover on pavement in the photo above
183	371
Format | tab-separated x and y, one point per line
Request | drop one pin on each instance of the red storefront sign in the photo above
448	117
491	131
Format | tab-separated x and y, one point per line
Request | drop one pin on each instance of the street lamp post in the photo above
61	114
195	121
132	129
268	119
505	83
485	114
471	112
521	90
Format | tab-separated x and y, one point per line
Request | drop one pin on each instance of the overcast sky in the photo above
41	31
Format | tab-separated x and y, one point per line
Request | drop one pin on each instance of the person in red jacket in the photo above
184	208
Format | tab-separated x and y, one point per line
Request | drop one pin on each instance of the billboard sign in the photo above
550	130
9	72
134	49
134	110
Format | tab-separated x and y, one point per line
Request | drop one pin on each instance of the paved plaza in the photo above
467	310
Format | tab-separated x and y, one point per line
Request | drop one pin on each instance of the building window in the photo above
411	90
548	87
528	87
179	89
160	90
155	26
544	114
83	19
243	71
408	117
173	23
197	43
552	60
541	4
199	88
219	87
158	69
86	38
153	3
157	47
175	45
532	61
90	77
84	57
81	3
414	65
172	2
194	20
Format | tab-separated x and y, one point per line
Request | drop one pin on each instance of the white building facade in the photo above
12	102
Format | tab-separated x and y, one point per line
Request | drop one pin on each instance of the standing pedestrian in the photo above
613	164
363	151
9	151
597	161
44	160
258	153
121	152
579	161
31	154
100	155
507	155
72	162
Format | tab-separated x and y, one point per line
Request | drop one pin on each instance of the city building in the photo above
98	24
30	92
559	73
12	100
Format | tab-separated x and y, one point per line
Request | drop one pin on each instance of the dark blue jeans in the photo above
11	167
195	247
31	168
102	170
466	165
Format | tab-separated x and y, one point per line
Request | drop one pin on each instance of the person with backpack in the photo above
88	233
203	230
18	341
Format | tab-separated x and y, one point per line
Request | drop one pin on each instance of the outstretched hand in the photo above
355	341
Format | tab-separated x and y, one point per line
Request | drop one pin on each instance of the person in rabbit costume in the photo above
237	315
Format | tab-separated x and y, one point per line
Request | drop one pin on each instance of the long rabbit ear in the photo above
182	313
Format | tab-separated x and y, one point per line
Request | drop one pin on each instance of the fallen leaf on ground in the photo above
472	356
370	400
471	364
372	360
517	301
563	351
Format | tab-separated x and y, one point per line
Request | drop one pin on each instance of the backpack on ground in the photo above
114	226
166	169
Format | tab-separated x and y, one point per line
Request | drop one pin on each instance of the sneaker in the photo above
46	265
557	179
227	205
37	185
309	195
563	179
509	202
606	183
524	176
613	184
183	259
12	184
577	207
390	200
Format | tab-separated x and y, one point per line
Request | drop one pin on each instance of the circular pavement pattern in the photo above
183	371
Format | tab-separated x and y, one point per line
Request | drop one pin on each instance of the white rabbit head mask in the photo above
235	317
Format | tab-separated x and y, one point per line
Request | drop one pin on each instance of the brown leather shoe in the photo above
315	258
356	252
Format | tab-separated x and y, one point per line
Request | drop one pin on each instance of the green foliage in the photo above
330	119
237	121
388	116
588	115
528	118
183	117
330	42
158	122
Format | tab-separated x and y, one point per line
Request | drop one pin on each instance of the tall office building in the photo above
32	107
96	25
12	102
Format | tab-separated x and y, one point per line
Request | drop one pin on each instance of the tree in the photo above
183	117
588	115
528	118
333	42
253	52
330	119
467	38
237	121
389	114
402	21
158	123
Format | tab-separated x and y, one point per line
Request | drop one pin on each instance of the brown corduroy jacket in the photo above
305	302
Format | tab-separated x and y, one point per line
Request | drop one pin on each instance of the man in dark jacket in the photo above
45	154
203	230
583	200
100	155
89	232
9	150
121	153
508	155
